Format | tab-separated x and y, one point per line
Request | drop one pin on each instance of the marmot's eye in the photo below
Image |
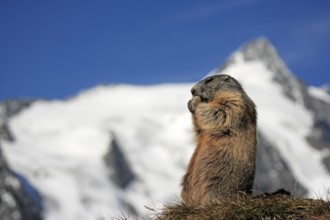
208	80
193	91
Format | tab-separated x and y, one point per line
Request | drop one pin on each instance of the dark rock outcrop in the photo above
8	109
272	172
5	132
18	199
120	172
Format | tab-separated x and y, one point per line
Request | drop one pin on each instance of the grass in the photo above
278	206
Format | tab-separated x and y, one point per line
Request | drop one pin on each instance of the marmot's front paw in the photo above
193	102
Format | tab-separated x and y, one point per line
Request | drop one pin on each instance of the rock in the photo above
8	109
120	171
272	172
18	199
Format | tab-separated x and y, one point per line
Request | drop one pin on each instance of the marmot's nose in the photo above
193	91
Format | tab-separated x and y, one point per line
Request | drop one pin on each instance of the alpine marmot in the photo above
225	123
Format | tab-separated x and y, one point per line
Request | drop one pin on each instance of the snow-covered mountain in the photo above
293	118
116	149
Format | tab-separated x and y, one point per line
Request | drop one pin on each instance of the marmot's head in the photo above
208	87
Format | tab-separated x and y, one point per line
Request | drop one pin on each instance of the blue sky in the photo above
54	49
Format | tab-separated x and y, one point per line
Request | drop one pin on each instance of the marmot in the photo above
225	124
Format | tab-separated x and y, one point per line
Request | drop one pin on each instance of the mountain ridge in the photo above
68	142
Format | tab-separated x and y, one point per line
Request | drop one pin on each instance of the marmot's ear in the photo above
226	78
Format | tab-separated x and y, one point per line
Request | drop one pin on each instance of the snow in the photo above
319	93
60	145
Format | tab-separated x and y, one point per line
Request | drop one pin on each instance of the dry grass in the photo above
247	207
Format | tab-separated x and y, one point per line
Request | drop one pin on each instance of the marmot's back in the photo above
224	120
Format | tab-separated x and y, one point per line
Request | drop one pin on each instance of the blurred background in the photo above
52	49
93	99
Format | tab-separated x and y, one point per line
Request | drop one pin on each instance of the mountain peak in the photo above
261	50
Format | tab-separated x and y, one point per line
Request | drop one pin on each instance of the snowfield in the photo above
60	147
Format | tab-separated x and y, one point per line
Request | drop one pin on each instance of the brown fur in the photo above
224	120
